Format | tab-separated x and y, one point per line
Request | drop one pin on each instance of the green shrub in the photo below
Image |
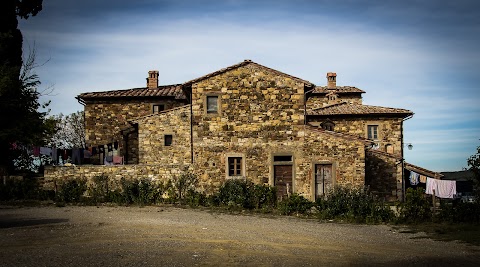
353	205
416	207
71	191
243	194
233	194
194	198
459	212
20	189
138	191
99	190
294	204
183	185
261	197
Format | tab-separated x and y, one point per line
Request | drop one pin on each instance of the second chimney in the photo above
152	80
331	80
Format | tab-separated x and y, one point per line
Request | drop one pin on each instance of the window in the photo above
212	104
372	132
235	166
158	107
328	125
168	139
282	158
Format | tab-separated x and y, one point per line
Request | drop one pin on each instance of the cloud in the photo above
417	55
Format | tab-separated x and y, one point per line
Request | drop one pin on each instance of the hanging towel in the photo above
101	149
414	177
446	189
36	151
94	151
423	179
431	186
443	188
115	145
110	147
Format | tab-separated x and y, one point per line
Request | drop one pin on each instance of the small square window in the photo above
158	107
212	104
235	166
372	132
168	139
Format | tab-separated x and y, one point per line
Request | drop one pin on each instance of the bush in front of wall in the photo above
243	194
261	197
71	191
353	205
459	212
294	204
20	189
233	194
139	191
415	208
99	189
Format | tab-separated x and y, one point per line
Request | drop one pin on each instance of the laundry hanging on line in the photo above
441	188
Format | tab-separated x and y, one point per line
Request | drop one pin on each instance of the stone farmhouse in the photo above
249	121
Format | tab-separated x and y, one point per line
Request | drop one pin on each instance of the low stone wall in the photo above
56	175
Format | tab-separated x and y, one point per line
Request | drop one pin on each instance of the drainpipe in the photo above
403	159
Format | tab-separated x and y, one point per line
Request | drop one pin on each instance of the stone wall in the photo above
105	119
389	130
56	175
321	100
383	174
260	113
346	153
151	137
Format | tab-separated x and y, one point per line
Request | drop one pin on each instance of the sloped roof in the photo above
337	89
161	91
423	171
244	63
345	108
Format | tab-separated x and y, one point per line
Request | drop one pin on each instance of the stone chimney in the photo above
152	80
331	80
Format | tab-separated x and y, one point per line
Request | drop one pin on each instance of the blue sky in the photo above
419	55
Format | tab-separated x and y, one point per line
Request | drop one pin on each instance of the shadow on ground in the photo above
6	222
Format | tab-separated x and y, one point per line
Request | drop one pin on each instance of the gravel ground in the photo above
169	236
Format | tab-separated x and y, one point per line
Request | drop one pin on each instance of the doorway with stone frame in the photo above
323	182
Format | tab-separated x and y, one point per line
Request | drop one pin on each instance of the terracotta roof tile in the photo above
244	63
358	109
338	90
162	91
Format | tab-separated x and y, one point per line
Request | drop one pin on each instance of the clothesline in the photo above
436	187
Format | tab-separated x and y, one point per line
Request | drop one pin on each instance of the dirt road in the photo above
168	236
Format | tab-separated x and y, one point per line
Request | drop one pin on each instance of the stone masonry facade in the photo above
248	121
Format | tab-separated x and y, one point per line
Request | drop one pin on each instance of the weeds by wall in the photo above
342	203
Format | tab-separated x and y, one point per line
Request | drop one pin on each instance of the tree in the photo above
474	166
21	121
70	131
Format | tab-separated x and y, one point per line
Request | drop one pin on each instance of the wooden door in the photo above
323	179
282	175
